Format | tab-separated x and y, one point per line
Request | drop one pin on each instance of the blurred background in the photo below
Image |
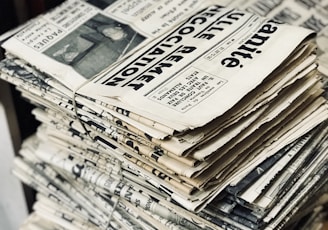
16	121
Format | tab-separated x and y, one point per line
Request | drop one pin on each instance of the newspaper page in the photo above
167	75
79	39
185	72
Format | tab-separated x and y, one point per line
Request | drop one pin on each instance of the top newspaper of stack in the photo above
163	62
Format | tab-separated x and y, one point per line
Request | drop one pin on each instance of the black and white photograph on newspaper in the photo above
95	45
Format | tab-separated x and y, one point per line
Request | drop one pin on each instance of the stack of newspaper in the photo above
168	115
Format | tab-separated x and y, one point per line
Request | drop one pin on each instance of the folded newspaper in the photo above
162	114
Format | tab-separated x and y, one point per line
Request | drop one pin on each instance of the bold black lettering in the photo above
158	69
176	38
115	81
235	15
230	62
243	55
187	49
136	86
157	51
268	29
186	30
198	20
257	40
174	58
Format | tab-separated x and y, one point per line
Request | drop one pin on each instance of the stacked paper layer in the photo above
211	119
